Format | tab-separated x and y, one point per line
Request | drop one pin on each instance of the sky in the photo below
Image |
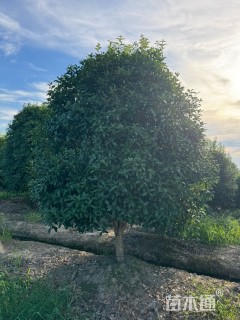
40	38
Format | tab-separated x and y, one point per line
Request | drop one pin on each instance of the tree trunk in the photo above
119	228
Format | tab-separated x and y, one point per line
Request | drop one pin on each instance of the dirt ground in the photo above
105	290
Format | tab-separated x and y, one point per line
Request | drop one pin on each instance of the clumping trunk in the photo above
119	228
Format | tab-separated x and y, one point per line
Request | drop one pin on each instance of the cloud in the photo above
8	23
14	95
77	26
202	43
234	152
41	89
41	86
36	68
38	93
198	35
9	29
6	114
8	48
226	130
11	101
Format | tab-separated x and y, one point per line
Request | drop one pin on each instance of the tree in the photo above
2	144
21	140
125	145
237	195
224	192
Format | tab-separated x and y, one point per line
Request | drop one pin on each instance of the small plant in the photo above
17	259
5	234
33	216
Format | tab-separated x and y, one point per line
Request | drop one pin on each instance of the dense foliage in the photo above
2	144
125	144
226	189
21	141
237	195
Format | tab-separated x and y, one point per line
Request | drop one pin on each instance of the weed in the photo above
5	234
17	260
6	195
22	298
214	231
33	216
226	305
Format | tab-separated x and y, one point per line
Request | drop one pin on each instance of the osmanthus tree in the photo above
237	195
20	144
225	191
124	145
2	144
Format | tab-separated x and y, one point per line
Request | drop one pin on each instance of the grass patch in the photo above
226	310
211	230
227	305
5	234
5	195
33	216
23	299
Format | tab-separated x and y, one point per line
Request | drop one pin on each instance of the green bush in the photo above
19	147
2	144
236	214
226	189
